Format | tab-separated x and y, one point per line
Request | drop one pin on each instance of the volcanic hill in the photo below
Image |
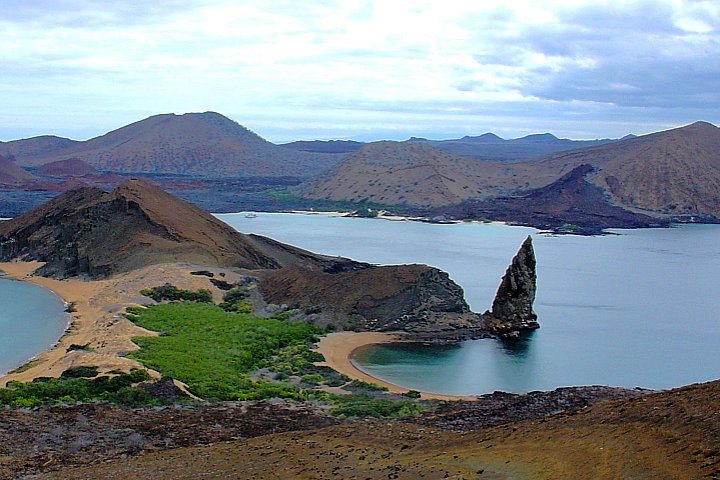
10	173
71	167
41	146
397	173
675	172
200	144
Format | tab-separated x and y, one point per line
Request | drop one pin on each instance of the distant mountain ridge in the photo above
200	144
487	146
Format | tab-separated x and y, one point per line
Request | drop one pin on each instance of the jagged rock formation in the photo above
92	233
512	308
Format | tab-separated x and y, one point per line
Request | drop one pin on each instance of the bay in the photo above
639	308
32	319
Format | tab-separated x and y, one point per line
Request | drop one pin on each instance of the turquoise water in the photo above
31	320
640	308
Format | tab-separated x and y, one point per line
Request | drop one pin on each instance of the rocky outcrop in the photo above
512	308
412	298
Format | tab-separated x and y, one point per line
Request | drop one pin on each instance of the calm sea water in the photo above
641	308
31	320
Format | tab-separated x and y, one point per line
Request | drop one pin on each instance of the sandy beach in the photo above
98	320
338	348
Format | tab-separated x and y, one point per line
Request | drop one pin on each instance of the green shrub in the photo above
412	394
69	389
173	294
212	351
79	372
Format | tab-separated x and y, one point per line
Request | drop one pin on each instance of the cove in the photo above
638	308
32	319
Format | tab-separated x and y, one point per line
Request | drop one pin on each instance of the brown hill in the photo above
409	173
676	171
570	204
28	148
72	167
201	144
10	173
91	232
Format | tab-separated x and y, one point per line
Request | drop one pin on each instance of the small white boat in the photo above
250	215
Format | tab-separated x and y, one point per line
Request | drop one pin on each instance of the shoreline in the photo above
338	349
98	322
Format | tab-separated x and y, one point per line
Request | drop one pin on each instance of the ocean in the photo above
636	308
31	320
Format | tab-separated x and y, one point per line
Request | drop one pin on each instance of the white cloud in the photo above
347	66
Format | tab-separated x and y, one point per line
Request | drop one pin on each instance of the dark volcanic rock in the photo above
571	204
413	298
499	408
512	308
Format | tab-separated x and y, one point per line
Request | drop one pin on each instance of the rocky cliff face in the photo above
411	298
512	308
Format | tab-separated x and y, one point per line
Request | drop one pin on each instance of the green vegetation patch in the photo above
212	351
173	294
219	354
72	388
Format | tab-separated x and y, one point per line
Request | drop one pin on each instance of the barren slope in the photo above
11	173
675	171
409	173
88	231
35	147
202	144
667	435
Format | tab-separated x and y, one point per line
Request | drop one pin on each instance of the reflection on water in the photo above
519	347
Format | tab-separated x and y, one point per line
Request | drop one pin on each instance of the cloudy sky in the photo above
361	69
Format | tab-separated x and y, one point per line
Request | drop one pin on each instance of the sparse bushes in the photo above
173	294
234	301
74	387
412	394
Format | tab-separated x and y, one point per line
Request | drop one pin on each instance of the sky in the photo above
361	69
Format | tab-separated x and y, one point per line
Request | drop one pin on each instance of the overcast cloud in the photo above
361	69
